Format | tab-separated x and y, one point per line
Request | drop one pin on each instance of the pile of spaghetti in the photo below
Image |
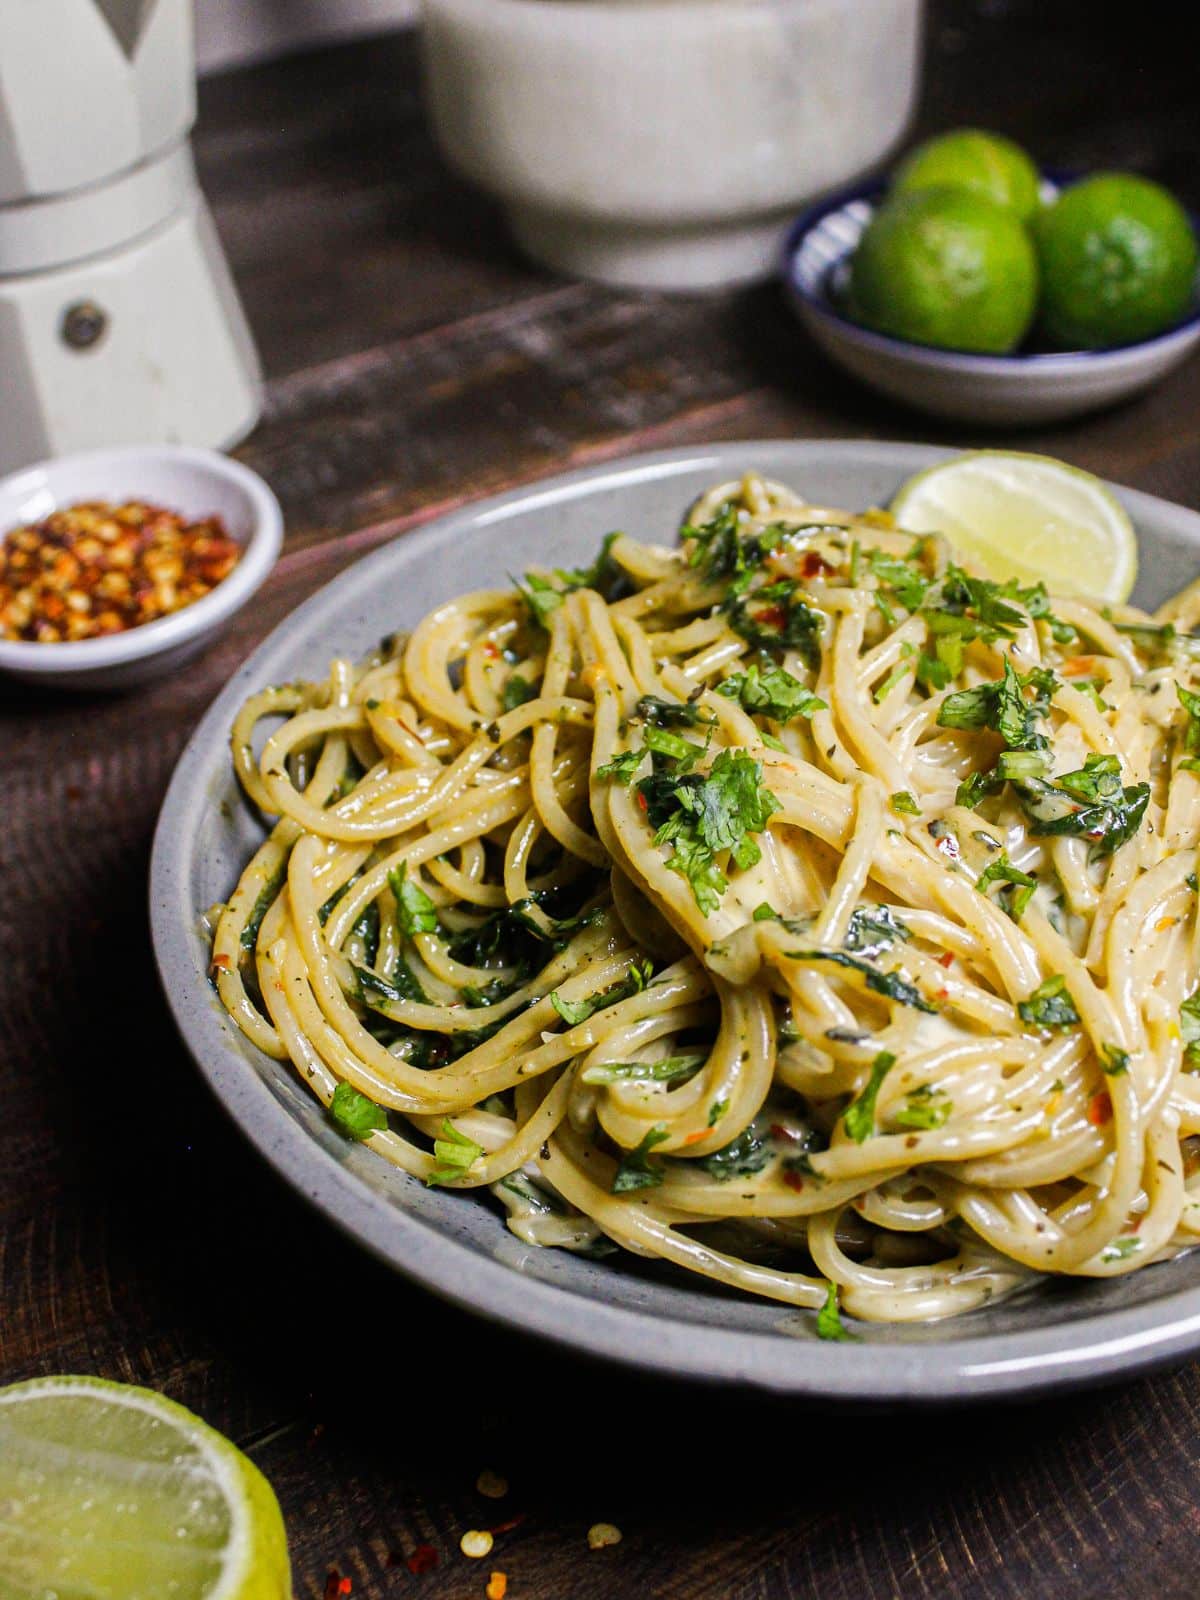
792	905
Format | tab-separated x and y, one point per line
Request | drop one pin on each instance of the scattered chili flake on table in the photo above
94	569
336	1586
497	1586
423	1559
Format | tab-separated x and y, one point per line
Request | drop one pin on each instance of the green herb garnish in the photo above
1050	1005
859	1117
639	1169
454	1153
357	1116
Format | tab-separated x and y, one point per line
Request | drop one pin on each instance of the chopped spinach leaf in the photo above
888	984
573	1012
639	1169
415	911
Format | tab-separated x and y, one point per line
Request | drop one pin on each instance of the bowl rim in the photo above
1043	363
260	550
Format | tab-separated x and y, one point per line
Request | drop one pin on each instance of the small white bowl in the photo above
195	483
1009	391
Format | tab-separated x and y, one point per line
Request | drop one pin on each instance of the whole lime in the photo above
945	267
1118	259
986	163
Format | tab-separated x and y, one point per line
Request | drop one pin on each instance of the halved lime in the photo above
114	1493
1008	514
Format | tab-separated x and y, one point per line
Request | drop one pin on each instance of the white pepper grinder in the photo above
119	322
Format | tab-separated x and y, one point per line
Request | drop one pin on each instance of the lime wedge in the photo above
1007	515
114	1493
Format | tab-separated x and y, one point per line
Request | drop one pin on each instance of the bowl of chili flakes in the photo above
118	565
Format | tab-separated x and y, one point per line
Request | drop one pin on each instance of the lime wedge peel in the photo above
115	1493
1010	514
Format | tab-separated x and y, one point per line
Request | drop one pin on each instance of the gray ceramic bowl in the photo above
1061	1334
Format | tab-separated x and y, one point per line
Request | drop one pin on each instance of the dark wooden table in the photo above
416	362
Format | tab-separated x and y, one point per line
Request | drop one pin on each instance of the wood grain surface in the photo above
415	362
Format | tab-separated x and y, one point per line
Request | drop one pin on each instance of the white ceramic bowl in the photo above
1005	391
193	482
666	143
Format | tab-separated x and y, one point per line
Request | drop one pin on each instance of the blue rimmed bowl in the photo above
1029	387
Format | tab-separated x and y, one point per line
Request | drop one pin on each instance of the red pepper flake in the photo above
813	564
643	803
222	963
1099	1109
778	1131
507	1527
491	649
336	1585
793	1180
946	959
423	1559
771	617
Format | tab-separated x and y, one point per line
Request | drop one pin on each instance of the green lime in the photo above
1118	258
114	1493
986	163
945	267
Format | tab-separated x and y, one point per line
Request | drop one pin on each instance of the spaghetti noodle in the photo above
792	906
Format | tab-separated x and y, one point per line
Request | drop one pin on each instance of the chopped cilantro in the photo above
765	912
1090	802
742	1157
639	1169
1114	1061
829	1317
774	616
604	575
623	767
700	816
683	752
357	1116
1002	706
1001	870
774	693
859	1117
924	1109
670	713
454	1153
716	1111
1189	1023
1191	737
415	911
1121	1249
1050	1005
541	599
905	804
